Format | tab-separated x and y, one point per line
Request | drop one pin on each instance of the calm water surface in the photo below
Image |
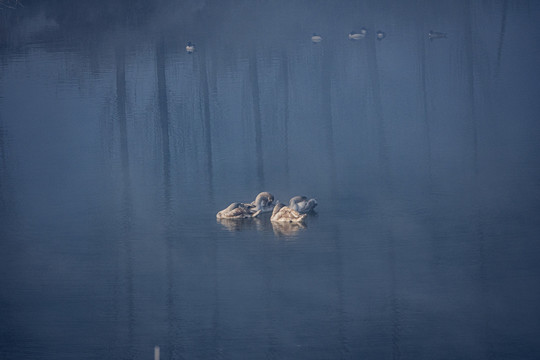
118	148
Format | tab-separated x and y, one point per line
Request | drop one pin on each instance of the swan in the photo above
302	204
238	211
190	48
436	35
358	35
316	38
380	35
264	202
284	213
355	36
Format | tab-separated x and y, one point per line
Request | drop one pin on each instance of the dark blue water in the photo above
118	148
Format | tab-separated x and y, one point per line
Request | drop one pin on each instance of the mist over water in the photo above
117	149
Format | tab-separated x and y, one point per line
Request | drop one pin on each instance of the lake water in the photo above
118	148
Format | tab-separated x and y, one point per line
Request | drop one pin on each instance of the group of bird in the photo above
379	35
297	211
353	35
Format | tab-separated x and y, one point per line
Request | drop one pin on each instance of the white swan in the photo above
381	35
302	204
238	211
358	35
436	35
316	38
264	202
190	48
283	213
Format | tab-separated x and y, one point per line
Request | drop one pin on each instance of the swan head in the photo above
295	200
363	31
264	202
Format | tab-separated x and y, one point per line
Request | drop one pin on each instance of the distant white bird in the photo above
283	213
356	36
316	38
353	35
380	35
190	48
436	35
302	204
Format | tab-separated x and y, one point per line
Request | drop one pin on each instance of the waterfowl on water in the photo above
302	204
381	35
356	36
436	35
190	48
353	35
316	38
238	211
284	213
264	202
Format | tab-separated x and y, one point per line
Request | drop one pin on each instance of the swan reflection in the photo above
287	229
243	224
263	224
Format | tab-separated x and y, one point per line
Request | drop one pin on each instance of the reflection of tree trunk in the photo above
2	150
121	109
254	80
285	74
173	336
3	170
394	302
477	208
501	36
341	313
164	121
375	86
469	63
427	132
126	196
206	120
326	111
216	315
269	308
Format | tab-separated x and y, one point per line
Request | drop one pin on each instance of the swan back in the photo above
302	204
283	213
238	211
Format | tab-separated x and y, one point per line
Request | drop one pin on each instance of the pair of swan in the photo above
296	212
264	202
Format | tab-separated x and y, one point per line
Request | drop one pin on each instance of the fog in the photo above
117	149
